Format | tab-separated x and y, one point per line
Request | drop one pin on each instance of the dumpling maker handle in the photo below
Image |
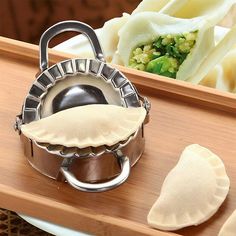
99	187
65	26
123	160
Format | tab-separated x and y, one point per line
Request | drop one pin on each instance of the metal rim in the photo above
74	152
72	67
60	71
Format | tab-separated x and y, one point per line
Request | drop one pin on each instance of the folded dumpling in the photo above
165	45
85	126
108	35
229	70
212	78
192	191
229	227
223	75
215	56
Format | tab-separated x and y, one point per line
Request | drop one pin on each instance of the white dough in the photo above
211	10
85	126
223	75
192	191
146	24
151	5
229	227
146	27
108	36
215	56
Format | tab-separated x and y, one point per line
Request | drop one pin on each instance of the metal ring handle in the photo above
65	26
87	187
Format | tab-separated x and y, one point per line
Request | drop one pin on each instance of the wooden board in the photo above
181	114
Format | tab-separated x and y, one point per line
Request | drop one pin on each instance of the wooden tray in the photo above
181	114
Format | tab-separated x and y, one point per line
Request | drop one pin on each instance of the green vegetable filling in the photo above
165	55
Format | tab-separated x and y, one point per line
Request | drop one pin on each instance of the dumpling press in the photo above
69	91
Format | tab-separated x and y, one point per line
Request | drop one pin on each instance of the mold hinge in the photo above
145	103
18	123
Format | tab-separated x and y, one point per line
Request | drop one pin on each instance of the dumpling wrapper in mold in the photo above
229	227
192	191
85	126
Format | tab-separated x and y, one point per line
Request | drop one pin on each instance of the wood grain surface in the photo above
180	115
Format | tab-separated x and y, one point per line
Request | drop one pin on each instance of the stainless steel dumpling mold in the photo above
78	82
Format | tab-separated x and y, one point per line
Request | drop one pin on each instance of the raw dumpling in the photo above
192	192
229	70
84	126
165	45
223	75
211	79
108	36
215	56
229	227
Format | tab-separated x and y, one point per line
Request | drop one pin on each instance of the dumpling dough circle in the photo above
229	227
192	191
85	126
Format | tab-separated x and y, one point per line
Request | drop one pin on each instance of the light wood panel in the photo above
181	114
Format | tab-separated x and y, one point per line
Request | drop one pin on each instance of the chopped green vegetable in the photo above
165	55
164	65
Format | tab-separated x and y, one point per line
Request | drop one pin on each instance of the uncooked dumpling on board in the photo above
85	126
192	191
229	227
165	45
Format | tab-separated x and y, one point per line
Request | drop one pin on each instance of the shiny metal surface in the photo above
77	95
71	152
98	187
63	27
89	169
